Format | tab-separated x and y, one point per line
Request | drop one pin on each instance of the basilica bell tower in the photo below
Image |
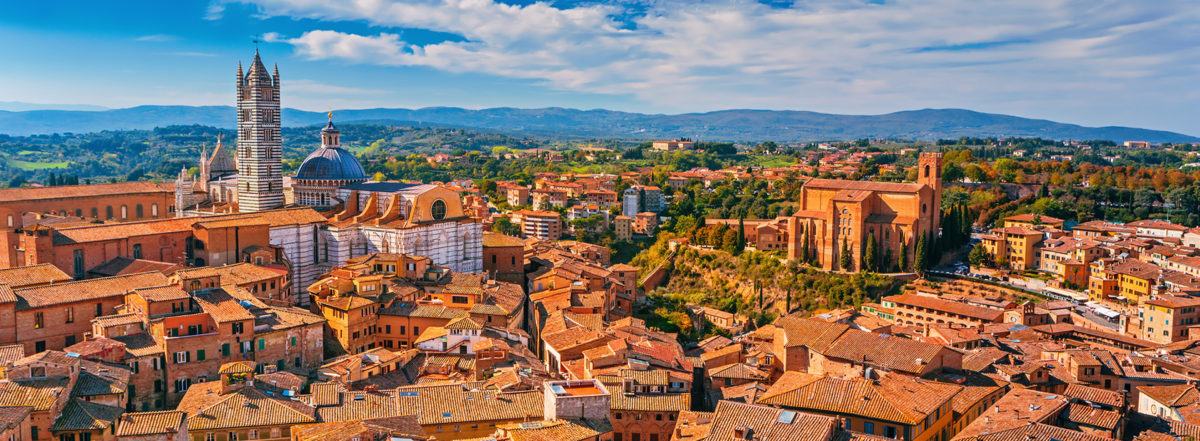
259	148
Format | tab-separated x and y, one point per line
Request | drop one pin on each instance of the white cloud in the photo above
156	38
831	55
317	88
214	11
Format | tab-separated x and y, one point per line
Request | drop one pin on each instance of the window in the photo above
137	211
108	212
238	328
438	210
137	251
181	357
293	341
99	309
70	313
459	299
869	427
38	371
889	431
225	349
154	210
70	340
124	212
262	344
38	321
199	355
78	265
158	385
33	432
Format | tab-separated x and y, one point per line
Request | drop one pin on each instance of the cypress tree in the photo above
903	256
921	259
805	255
844	258
868	257
741	245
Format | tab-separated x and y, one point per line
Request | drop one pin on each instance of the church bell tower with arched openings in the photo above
259	145
929	172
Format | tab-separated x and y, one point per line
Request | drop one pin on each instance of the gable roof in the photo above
896	398
84	290
79	415
244	407
767	423
151	423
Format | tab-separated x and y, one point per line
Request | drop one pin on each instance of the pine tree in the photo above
868	257
51	181
844	258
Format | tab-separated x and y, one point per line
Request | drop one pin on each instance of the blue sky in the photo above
1092	62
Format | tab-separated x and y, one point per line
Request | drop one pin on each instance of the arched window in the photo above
11	221
108	212
124	212
138	211
78	212
154	209
95	212
926	170
924	208
438	210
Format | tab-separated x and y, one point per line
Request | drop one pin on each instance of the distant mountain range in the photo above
725	125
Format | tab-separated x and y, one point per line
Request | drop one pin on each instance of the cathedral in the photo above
362	216
838	216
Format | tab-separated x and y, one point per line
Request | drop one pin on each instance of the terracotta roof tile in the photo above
557	430
897	398
80	415
32	275
465	402
84	290
767	423
151	423
75	191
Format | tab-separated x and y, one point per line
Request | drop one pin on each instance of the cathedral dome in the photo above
331	163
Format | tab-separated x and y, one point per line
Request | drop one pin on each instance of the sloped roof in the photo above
80	415
84	290
895	398
767	423
245	407
151	423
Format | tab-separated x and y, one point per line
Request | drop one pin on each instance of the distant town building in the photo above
674	144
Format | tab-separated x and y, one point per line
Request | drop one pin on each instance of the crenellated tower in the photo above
259	145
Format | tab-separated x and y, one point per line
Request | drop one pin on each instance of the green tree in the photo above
921	259
741	242
844	256
506	226
903	256
869	254
805	254
729	242
978	255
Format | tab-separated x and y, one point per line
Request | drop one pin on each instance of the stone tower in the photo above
259	163
929	172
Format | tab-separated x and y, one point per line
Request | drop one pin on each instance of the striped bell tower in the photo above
259	149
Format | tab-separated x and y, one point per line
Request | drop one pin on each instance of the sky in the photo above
1090	62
